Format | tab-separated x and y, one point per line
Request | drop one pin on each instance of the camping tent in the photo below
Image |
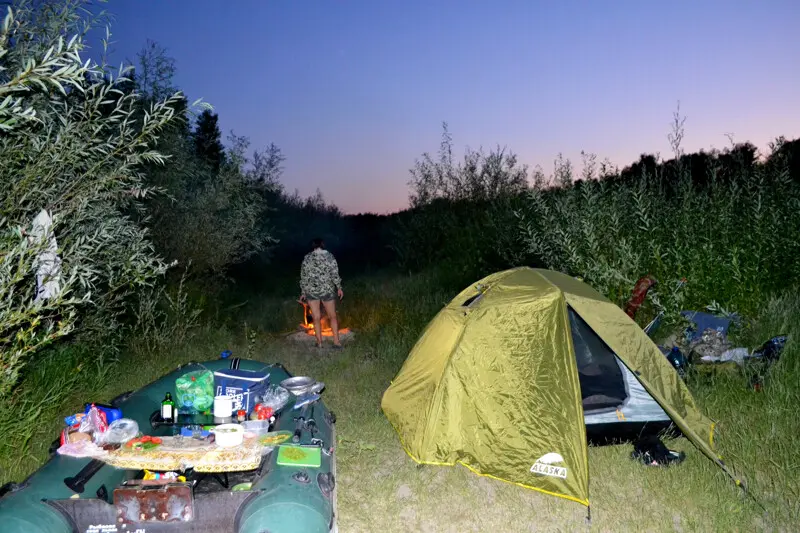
508	376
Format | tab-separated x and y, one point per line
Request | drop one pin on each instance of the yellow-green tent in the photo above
506	376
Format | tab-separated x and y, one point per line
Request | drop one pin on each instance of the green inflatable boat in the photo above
83	495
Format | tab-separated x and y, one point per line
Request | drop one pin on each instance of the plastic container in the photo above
223	406
229	435
257	427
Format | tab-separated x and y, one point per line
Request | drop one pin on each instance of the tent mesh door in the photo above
601	378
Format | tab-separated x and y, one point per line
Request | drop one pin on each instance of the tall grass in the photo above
758	428
732	235
69	374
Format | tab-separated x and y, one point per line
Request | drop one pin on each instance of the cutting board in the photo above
310	456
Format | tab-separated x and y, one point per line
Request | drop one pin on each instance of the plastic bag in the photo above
94	423
194	391
276	397
84	448
119	432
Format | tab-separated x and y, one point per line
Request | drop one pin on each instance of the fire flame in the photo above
325	323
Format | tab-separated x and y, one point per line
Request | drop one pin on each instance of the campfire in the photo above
325	323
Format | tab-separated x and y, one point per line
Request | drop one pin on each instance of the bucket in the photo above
223	406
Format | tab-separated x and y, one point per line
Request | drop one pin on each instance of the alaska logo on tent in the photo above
545	465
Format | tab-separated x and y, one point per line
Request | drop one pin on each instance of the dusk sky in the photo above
354	91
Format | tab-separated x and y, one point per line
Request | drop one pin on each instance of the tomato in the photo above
146	438
156	440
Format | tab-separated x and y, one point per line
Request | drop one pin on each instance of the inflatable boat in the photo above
83	495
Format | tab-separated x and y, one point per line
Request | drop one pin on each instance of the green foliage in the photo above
724	220
73	144
462	214
27	324
154	77
293	221
208	220
67	375
208	139
731	238
480	177
469	237
758	429
164	316
29	415
213	212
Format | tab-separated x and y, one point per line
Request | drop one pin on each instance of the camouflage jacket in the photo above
319	274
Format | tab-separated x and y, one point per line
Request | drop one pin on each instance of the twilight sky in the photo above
354	91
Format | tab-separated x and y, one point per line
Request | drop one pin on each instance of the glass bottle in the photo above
167	408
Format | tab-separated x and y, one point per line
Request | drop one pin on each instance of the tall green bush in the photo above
73	144
208	219
462	213
733	238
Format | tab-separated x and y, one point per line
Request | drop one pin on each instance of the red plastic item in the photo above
103	422
263	412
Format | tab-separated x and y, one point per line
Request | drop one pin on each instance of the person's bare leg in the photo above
330	309
315	312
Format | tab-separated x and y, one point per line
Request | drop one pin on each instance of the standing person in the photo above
320	282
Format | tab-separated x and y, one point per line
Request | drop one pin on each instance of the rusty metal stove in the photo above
153	500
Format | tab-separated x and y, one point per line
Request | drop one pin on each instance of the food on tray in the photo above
145	442
272	439
294	453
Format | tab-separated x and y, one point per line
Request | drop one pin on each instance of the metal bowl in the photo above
298	385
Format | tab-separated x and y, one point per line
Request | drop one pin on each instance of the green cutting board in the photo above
310	456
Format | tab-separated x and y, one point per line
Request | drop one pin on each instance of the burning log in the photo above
325	322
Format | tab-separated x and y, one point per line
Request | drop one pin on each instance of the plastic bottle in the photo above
678	360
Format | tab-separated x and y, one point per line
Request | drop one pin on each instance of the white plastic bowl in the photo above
229	435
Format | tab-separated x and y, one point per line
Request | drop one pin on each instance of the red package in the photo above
94	422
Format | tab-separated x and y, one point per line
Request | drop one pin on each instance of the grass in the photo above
380	484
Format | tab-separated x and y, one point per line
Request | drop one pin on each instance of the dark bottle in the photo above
167	408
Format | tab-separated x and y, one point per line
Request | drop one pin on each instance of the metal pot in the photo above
299	385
